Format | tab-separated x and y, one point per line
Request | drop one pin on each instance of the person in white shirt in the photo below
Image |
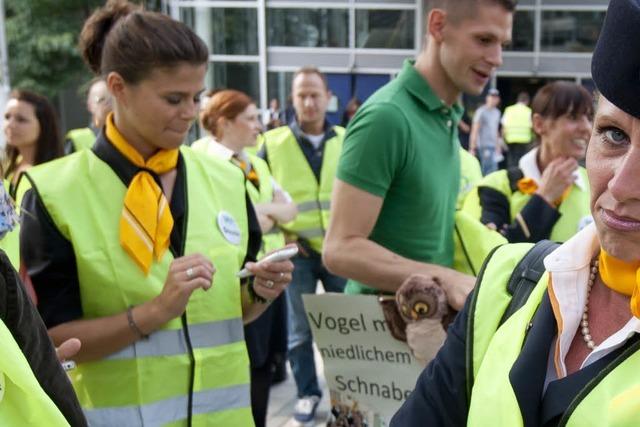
232	120
547	195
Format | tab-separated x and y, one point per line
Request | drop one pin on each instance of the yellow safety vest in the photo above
194	365
82	139
612	398
517	124
23	402
290	168
273	239
575	209
473	242
470	175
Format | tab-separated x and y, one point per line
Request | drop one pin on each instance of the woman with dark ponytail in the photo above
133	247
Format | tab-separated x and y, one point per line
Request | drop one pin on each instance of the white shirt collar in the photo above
216	149
528	164
569	268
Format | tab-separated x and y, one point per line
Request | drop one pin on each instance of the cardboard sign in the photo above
369	373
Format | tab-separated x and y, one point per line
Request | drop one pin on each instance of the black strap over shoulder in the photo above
526	276
515	174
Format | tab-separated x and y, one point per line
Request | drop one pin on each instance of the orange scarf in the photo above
529	186
146	221
623	277
247	169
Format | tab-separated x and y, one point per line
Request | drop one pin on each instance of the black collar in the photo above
327	129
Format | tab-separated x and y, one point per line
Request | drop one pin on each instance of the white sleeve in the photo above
277	187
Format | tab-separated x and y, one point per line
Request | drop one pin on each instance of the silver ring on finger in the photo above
269	284
189	272
281	275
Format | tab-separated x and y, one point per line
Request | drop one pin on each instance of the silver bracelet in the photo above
132	324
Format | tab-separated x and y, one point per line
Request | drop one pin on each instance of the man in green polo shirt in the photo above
394	199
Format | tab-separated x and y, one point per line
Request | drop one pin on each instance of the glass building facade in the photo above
257	44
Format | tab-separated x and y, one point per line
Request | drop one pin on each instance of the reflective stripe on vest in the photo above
82	139
173	342
314	206
517	124
291	170
23	402
575	210
85	204
171	410
470	175
612	398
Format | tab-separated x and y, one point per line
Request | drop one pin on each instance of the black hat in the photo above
615	66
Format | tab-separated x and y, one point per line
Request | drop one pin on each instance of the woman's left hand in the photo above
271	278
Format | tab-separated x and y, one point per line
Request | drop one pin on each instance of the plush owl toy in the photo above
418	316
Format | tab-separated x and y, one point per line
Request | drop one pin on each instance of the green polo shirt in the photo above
402	145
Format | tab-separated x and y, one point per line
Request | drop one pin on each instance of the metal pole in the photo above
5	85
4	57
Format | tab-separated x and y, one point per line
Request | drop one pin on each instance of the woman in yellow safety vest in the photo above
547	195
550	335
232	120
32	136
134	246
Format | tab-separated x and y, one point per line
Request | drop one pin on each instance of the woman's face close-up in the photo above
613	164
567	136
162	107
245	128
21	126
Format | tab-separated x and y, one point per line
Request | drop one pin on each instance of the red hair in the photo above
227	103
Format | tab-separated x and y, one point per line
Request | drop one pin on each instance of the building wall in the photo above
256	44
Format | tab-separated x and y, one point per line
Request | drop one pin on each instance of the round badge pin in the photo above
229	228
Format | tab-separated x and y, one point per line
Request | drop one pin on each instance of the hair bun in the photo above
97	27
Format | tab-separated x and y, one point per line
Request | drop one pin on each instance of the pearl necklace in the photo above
586	334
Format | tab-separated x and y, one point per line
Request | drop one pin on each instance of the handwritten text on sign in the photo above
363	363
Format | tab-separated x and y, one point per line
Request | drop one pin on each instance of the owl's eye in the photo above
421	308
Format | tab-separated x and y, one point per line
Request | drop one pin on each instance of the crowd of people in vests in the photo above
172	272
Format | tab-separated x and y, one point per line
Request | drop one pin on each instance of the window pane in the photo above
523	31
570	31
386	29
279	87
242	76
226	31
308	27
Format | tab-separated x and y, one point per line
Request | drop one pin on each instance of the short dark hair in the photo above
308	69
49	142
524	97
560	98
124	38
460	9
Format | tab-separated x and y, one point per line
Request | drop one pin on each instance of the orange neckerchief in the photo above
247	169
146	221
623	277
529	186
